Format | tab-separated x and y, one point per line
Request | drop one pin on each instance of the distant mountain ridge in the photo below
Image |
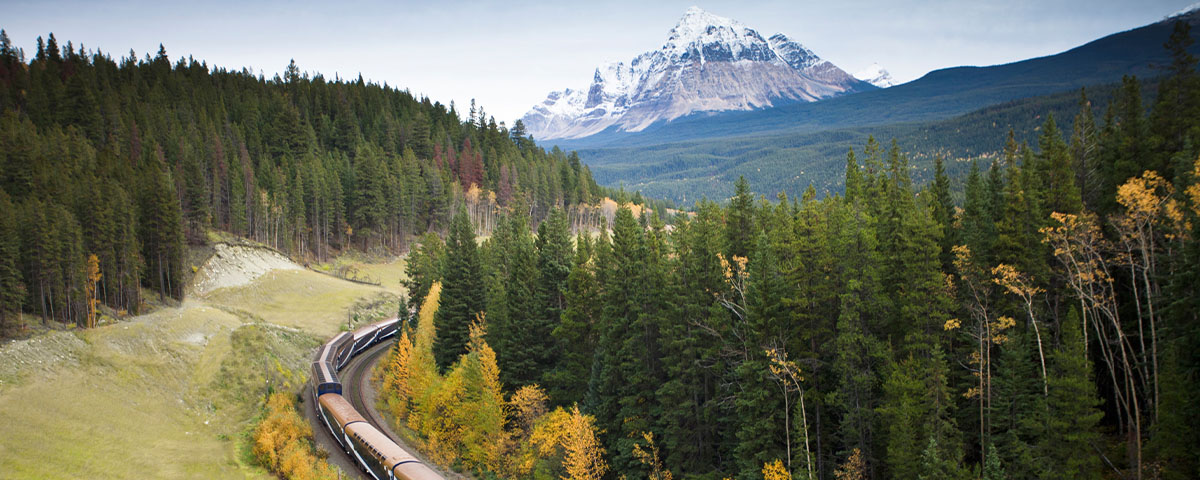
938	95
791	146
708	64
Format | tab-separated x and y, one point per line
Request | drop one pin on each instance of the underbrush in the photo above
283	442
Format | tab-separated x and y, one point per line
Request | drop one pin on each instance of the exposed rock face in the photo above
708	64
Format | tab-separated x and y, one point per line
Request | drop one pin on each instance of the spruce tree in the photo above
12	289
691	353
462	293
575	337
739	220
978	229
943	211
518	329
554	261
1055	171
626	364
1073	405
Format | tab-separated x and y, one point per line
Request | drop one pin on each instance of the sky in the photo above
508	55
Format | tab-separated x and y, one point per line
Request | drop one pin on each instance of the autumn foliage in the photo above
464	418
283	442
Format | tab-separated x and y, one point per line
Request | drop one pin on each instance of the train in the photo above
376	454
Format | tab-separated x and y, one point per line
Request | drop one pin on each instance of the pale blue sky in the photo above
508	55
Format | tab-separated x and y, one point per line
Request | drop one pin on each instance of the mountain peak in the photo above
876	75
709	63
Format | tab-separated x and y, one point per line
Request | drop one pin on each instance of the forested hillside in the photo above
1045	326
108	166
686	172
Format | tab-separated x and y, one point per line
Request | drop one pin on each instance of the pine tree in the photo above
978	229
625	362
1055	171
1173	119
739	231
1085	146
943	211
518	328
554	261
462	294
575	337
423	267
12	289
689	420
1071	435
859	356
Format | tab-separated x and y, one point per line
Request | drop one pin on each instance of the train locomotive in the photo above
372	450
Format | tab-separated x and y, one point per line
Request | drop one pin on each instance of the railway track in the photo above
360	436
357	375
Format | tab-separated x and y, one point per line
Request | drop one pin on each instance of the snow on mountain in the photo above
1189	9
875	75
708	64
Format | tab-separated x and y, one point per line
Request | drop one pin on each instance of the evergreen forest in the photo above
1039	322
110	168
1043	326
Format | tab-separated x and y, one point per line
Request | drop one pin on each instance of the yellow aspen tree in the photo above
775	471
545	441
978	290
584	457
648	455
528	406
395	381
1080	246
93	277
1144	200
484	438
422	371
440	415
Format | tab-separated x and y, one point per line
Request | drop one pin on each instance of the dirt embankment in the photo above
237	265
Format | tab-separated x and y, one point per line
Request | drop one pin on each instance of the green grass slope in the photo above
171	393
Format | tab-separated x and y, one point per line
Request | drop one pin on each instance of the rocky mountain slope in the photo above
708	64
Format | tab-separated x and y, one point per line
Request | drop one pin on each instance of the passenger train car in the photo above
372	450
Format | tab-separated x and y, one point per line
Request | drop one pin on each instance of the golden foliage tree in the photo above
775	471
462	415
93	278
1086	257
584	459
395	376
854	468
283	442
422	370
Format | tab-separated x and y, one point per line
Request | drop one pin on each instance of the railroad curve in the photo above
343	414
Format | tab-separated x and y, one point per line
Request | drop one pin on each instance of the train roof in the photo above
370	329
341	410
324	353
384	448
325	371
415	471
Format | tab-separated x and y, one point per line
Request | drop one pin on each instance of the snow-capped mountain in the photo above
875	75
708	64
